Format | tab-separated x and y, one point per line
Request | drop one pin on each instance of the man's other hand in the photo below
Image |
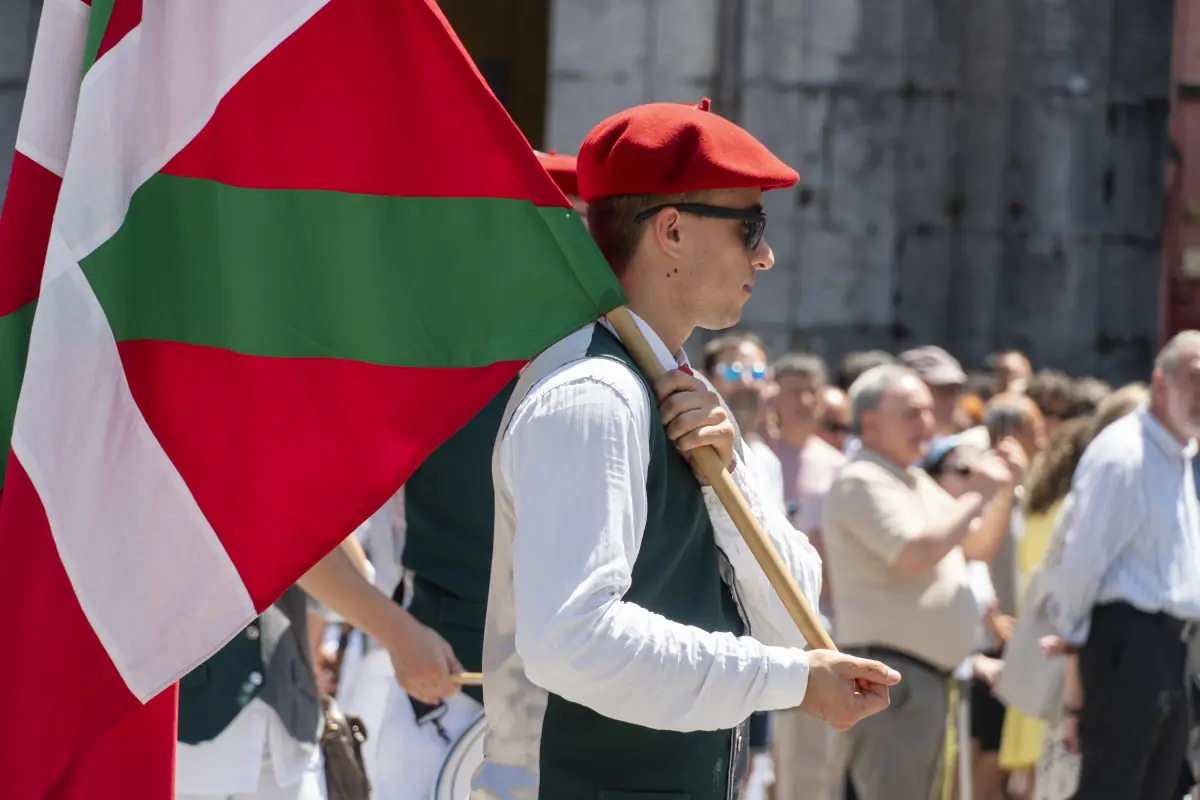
843	689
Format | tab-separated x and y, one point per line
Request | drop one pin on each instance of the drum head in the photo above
464	757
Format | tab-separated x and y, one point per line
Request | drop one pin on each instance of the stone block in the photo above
984	146
1127	293
683	38
800	41
925	262
927	165
670	88
863	137
575	104
1047	299
1059	149
600	38
1131	183
843	278
979	260
1141	50
773	113
772	301
933	54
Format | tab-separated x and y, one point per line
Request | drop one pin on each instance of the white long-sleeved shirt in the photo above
570	473
1134	531
232	762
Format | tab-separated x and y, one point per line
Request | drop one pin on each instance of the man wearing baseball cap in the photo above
630	632
945	378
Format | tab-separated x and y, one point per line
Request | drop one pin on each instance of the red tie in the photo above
686	369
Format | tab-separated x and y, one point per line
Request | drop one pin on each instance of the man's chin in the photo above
724	322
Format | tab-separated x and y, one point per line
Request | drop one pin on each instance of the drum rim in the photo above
477	728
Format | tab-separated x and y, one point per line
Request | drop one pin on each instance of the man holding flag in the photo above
252	290
618	658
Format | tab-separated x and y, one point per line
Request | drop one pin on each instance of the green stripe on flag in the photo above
97	25
395	281
14	349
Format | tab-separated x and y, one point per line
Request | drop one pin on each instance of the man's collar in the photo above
657	345
867	454
1161	436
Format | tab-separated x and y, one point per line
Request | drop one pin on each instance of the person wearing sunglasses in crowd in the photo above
630	633
833	417
736	365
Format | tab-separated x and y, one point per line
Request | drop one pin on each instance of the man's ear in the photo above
666	229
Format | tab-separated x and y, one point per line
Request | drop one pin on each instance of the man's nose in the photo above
763	257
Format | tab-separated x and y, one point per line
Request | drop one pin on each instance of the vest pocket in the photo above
617	794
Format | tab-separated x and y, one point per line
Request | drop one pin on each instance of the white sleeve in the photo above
769	620
1105	515
575	457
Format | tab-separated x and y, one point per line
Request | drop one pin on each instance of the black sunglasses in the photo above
755	219
835	427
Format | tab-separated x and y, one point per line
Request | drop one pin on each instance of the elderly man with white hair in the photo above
1126	591
895	543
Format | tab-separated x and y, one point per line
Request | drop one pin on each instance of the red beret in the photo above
562	170
672	148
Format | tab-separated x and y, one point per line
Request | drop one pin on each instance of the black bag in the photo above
341	746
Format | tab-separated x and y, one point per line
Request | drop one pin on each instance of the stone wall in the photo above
977	174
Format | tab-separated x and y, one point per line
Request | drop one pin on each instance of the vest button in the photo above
256	678
252	633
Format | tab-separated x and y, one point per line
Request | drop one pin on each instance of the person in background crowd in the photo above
850	367
615	655
1014	423
970	409
736	365
813	424
895	544
803	744
833	417
950	462
1027	745
854	364
1124	591
809	464
1089	392
1054	393
946	380
982	385
1010	371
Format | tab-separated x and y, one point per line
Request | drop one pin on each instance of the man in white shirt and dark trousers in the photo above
1127	590
618	659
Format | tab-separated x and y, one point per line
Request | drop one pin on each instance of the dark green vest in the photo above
449	516
269	659
586	756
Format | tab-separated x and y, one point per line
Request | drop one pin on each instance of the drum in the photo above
458	767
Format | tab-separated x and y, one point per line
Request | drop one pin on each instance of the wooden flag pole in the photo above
468	679
709	465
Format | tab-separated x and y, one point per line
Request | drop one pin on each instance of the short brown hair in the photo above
806	365
614	226
728	341
1008	413
1049	387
